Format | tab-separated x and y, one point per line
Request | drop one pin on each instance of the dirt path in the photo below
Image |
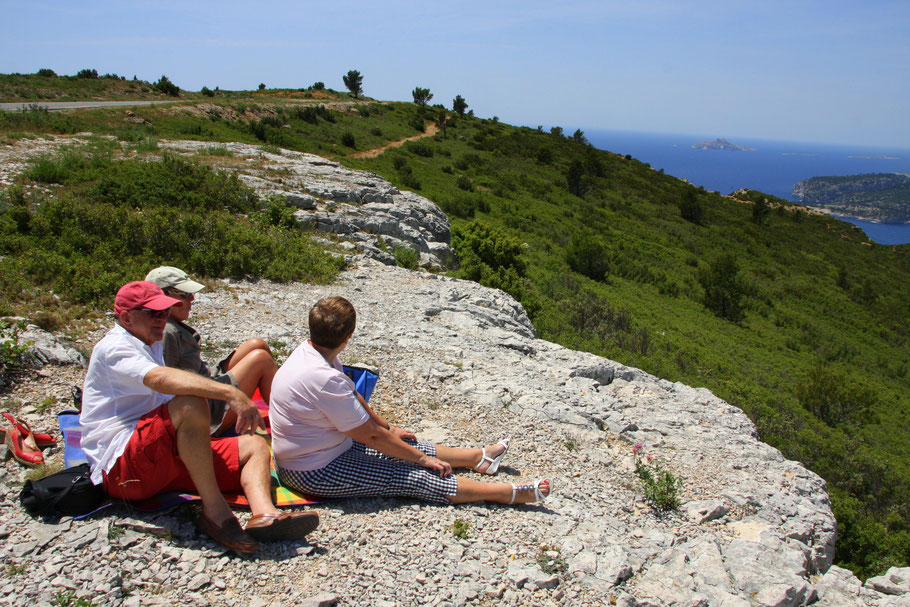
432	129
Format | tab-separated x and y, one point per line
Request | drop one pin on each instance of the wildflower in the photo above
637	448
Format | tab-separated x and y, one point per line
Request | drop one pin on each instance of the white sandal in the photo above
538	496
494	462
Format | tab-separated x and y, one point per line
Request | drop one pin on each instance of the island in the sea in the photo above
722	144
878	197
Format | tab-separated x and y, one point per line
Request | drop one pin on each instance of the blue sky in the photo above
829	71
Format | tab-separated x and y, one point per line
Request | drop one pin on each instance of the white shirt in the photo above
312	405
114	397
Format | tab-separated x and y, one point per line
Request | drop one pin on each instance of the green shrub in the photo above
312	113
84	245
409	181
464	183
174	182
164	85
417	124
277	212
46	73
87	73
465	206
760	211
406	257
420	148
11	349
347	139
660	486
826	393
724	288
691	207
575	178
206	91
586	254
491	257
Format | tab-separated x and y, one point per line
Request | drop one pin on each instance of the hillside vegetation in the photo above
790	316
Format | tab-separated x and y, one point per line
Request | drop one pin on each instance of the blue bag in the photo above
364	380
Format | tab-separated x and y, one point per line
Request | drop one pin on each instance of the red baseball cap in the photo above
142	294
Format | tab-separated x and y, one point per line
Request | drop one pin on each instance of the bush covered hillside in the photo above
789	315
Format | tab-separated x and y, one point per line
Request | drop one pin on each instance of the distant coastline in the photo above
876	197
773	168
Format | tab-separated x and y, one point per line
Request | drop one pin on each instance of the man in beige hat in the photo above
249	367
145	429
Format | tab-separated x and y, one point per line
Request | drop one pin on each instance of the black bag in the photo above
69	492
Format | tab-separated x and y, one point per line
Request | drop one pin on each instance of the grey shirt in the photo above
183	350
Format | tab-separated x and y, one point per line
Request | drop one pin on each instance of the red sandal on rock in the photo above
42	441
23	448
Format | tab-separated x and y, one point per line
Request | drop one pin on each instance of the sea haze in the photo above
774	167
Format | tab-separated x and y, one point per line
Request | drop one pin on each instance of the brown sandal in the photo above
282	526
229	534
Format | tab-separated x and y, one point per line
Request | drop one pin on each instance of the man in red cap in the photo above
145	429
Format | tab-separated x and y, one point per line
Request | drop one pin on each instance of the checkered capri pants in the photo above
362	471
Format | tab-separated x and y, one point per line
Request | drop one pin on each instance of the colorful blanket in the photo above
73	456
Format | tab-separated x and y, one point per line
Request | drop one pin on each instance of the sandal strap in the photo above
493	465
538	496
483	458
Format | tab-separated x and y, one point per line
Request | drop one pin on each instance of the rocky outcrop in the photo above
364	212
460	364
879	197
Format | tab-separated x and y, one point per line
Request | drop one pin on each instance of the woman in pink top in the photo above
328	442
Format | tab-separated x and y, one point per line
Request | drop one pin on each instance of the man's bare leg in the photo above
191	419
255	476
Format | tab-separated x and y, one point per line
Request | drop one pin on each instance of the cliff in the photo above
461	364
880	197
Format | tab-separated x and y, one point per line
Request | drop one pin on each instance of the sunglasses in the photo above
179	295
156	314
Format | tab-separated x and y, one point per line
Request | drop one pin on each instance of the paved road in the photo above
74	105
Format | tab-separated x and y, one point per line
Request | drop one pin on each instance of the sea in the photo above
774	167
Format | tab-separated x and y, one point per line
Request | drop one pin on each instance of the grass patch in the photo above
42	470
460	528
551	561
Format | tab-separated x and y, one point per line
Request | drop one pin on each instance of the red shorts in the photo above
150	464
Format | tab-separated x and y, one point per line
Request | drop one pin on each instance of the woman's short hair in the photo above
332	320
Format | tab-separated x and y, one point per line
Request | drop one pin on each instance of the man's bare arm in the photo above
178	382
